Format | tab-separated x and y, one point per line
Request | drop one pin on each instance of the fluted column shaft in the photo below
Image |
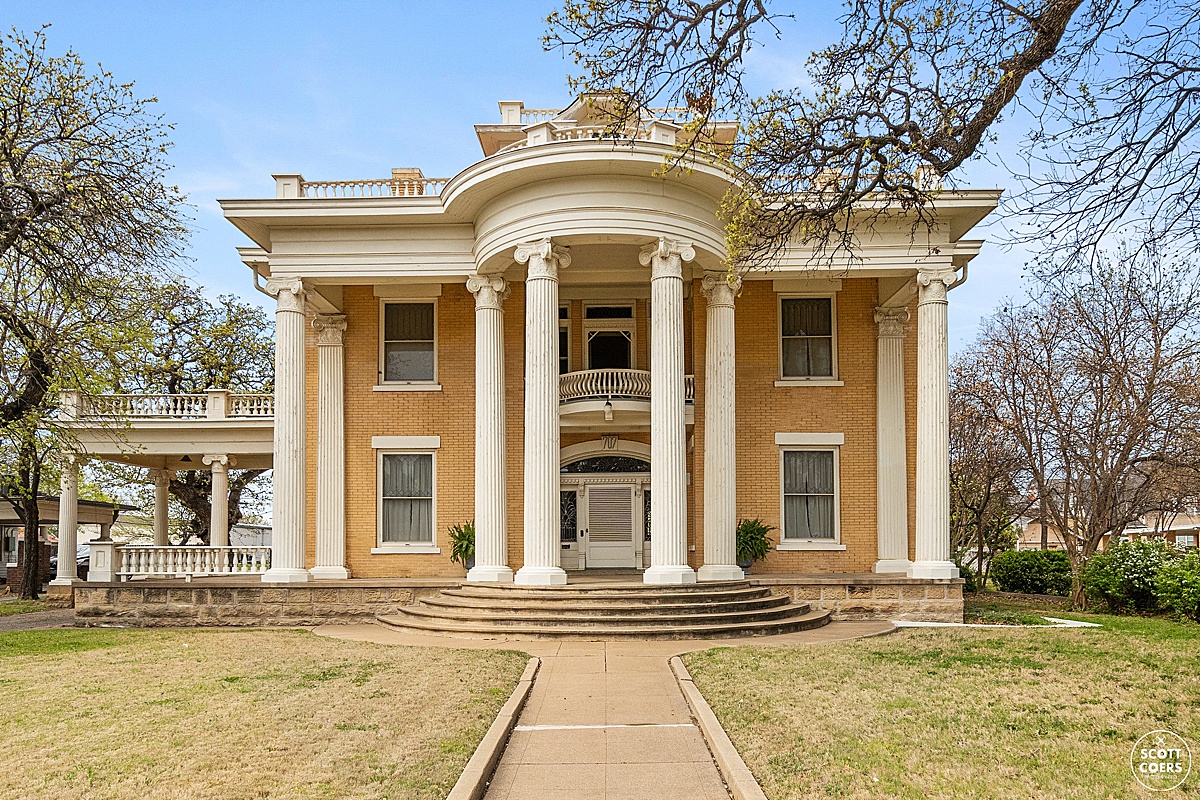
331	448
541	542
720	433
933	428
218	526
68	523
491	472
891	456
287	535
162	496
668	447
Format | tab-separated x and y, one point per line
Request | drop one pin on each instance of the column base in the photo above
933	569
890	565
484	574
65	582
329	573
720	572
670	574
540	576
285	575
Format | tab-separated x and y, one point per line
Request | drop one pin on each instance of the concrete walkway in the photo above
606	719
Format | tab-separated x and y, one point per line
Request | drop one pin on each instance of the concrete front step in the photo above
621	619
411	624
605	606
632	593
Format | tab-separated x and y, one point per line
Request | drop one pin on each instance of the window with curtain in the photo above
407	501
408	342
806	330
808	495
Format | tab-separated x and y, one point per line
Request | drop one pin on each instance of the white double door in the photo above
611	524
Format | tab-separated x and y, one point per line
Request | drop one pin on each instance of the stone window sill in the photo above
407	387
404	549
788	382
812	544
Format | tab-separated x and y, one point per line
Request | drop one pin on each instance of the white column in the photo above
933	429
331	448
491	473
541	412
668	467
218	525
891	456
287	534
68	523
720	433
162	495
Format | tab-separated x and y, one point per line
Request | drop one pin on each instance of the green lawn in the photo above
10	607
960	713
239	715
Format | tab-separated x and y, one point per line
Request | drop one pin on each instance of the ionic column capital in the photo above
720	289
891	321
933	284
544	257
289	292
162	477
329	328
219	462
490	290
665	257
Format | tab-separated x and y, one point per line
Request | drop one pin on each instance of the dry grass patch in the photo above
963	713
240	714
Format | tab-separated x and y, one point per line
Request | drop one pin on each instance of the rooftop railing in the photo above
213	404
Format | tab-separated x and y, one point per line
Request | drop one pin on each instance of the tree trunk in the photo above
1045	527
29	474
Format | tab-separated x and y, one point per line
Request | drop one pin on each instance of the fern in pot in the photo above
753	541
462	544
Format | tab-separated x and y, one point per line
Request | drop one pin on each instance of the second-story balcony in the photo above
612	398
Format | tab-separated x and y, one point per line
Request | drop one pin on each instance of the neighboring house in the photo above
96	518
548	344
1181	530
1029	535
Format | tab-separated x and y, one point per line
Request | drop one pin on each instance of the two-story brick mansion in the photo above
549	343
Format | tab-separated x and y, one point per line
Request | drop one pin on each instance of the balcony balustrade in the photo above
613	384
213	404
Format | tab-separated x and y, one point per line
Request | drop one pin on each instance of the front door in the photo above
609	528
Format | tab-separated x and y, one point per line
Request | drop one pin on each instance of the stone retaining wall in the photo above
241	606
874	596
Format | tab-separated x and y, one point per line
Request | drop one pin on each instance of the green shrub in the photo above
1032	572
753	540
1123	578
1177	586
968	575
462	543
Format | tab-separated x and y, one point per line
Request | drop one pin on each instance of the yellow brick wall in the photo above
762	411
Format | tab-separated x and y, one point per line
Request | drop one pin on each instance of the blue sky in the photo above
352	89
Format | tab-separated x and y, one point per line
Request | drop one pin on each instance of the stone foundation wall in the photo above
874	597
137	606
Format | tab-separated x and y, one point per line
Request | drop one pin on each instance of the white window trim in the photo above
566	323
816	380
409	386
813	544
381	547
628	324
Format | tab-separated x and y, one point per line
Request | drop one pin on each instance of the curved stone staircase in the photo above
583	611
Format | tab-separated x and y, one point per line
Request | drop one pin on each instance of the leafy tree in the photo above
196	344
911	93
86	215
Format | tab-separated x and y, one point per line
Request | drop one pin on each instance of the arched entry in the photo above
605	488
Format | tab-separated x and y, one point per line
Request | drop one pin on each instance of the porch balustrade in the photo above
613	384
172	406
190	561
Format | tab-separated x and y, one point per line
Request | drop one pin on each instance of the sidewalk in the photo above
605	719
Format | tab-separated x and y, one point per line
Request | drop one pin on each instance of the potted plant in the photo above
462	544
753	541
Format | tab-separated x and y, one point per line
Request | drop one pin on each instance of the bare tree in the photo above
1096	383
987	471
911	93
